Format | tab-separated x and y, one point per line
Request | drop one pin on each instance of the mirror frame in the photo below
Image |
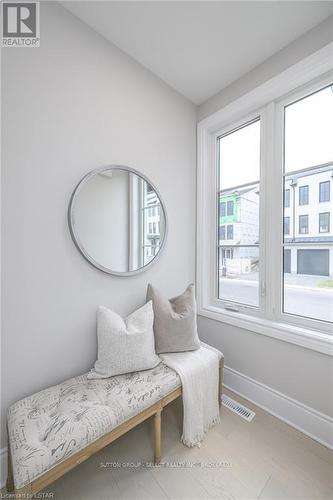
72	225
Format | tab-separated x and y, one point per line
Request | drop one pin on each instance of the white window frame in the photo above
267	102
230	305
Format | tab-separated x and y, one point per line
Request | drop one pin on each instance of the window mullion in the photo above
273	202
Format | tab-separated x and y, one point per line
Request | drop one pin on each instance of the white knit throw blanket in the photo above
199	373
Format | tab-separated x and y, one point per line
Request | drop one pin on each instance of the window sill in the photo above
309	339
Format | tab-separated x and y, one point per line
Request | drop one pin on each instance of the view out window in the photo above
286	198
324	191
150	223
286	224
324	222
239	174
304	195
308	167
303	224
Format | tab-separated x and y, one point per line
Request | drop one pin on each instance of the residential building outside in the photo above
308	235
308	232
239	225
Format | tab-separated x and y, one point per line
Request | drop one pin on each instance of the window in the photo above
303	196
286	198
303	226
308	123
227	253
324	191
230	208
239	173
222	232
324	222
279	279
230	232
286	225
223	211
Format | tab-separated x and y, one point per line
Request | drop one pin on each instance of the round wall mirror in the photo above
117	220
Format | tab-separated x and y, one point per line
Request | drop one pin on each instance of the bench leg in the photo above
157	437
10	478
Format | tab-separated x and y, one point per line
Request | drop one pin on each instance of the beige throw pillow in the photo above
124	345
175	321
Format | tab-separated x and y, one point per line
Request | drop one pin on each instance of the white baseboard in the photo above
307	420
3	468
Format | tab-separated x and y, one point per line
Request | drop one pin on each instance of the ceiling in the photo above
198	48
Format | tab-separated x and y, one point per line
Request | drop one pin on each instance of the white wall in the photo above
74	104
299	373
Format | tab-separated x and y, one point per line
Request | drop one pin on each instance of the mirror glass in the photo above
117	220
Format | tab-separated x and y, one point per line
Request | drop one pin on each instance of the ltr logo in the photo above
20	26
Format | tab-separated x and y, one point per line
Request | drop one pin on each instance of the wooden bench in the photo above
26	477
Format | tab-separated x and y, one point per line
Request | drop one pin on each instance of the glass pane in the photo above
324	191
238	222
239	274
303	195
309	131
240	156
324	222
308	288
308	246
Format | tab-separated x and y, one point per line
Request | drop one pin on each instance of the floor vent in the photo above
236	407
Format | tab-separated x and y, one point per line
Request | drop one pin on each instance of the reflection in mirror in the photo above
117	220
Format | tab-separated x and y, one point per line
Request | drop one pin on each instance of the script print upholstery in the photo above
49	426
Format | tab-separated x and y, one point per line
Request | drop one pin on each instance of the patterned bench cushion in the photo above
49	426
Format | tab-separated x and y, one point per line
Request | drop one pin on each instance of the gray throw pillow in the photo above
124	345
175	321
